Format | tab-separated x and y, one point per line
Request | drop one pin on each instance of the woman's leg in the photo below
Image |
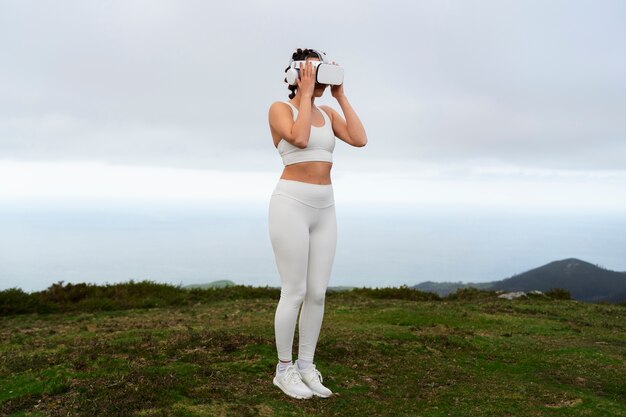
322	245
289	222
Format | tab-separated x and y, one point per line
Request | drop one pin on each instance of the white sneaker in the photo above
291	384
313	379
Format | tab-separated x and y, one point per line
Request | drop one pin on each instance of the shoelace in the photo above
292	375
318	373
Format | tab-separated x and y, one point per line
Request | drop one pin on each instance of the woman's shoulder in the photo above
329	110
279	105
280	102
279	110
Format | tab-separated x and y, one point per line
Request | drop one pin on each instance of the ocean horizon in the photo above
377	245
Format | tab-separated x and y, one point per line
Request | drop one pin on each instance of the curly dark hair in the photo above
300	55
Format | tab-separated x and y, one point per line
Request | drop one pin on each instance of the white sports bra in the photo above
320	147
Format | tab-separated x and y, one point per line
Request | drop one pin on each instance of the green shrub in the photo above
15	301
148	294
59	298
402	293
559	294
471	293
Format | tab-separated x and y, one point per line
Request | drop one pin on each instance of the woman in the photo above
302	222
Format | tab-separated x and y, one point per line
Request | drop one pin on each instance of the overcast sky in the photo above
462	101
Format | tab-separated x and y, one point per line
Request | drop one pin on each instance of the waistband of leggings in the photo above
314	195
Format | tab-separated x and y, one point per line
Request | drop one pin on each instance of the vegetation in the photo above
60	298
147	349
559	294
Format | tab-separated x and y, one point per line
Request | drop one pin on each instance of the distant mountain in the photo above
617	298
585	281
228	283
340	288
215	284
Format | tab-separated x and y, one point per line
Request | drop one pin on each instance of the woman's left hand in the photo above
336	90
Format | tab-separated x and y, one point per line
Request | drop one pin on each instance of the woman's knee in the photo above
294	297
315	297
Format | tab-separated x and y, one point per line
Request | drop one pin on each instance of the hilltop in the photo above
388	352
585	281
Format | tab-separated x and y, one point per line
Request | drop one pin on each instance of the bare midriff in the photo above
314	172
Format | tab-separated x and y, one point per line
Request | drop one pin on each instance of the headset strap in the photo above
321	54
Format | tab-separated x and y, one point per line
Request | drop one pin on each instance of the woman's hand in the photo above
337	90
306	81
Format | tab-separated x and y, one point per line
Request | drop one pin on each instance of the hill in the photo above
340	288
472	355
585	282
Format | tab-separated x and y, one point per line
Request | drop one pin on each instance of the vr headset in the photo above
326	72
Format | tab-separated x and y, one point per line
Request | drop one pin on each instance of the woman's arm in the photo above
281	120
297	133
351	129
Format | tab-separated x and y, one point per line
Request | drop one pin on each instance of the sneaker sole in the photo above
300	397
322	396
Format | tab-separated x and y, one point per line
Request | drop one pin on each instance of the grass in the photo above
480	356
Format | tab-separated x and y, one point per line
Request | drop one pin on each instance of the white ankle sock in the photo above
302	364
283	365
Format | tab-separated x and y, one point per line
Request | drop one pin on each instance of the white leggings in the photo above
303	231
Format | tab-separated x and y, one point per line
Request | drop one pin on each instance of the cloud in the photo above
188	84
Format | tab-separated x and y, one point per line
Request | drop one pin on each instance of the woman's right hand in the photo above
306	81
